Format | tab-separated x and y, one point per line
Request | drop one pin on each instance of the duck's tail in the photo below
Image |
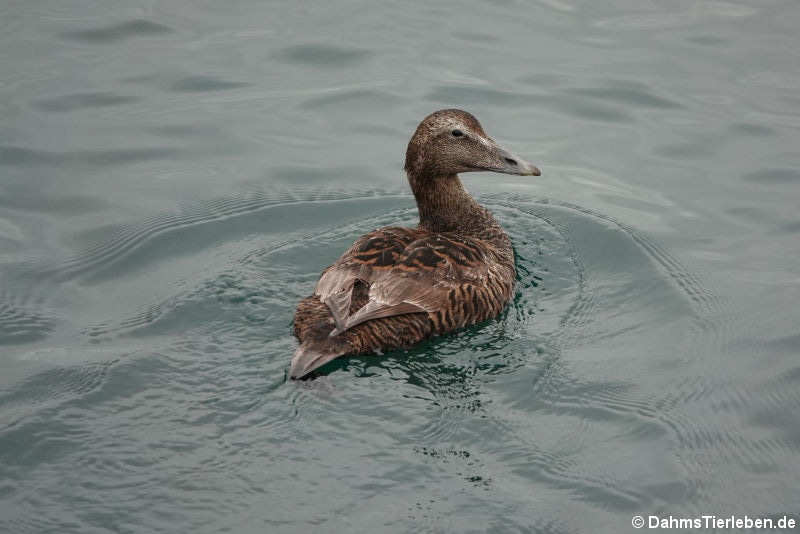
316	352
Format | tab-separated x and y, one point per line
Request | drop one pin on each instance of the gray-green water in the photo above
174	176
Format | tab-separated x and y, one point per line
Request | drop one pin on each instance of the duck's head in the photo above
451	141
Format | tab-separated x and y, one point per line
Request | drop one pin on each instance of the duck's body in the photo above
397	286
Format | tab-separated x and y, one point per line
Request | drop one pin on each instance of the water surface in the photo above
175	175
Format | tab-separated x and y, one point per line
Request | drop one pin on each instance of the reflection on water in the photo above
173	178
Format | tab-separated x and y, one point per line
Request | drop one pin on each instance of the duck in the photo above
397	286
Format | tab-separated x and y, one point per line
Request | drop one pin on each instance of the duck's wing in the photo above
433	274
370	257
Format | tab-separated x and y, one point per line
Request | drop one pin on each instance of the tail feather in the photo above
314	353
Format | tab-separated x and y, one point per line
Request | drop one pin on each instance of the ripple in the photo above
49	387
201	84
323	55
475	37
21	156
296	175
21	325
556	308
687	281
791	228
707	40
451	400
755	130
593	112
466	96
628	94
132	237
677	17
364	98
565	102
685	151
67	103
240	289
774	176
33	199
118	32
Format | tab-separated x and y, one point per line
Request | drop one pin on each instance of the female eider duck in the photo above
397	286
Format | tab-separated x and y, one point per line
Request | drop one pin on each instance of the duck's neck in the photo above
445	206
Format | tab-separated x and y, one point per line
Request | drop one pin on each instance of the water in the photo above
175	175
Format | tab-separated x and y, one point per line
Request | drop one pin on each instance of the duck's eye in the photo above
457	133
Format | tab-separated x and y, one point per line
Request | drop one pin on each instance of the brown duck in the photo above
397	286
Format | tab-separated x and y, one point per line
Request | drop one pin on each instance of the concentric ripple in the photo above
597	311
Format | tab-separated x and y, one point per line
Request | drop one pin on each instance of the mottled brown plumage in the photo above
397	286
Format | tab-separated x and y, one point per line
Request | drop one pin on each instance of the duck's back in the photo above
397	286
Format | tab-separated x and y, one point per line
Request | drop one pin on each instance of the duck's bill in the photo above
510	163
501	160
